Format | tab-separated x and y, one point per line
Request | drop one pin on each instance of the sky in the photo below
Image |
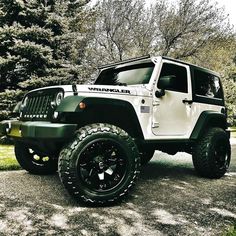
229	6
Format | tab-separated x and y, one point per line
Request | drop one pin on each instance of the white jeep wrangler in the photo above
97	136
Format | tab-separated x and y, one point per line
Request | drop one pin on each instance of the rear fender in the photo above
206	120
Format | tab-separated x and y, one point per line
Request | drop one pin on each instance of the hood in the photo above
132	90
118	90
106	89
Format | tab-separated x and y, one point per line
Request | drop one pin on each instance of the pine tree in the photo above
39	46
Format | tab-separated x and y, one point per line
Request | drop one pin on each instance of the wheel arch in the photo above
119	167
208	119
101	110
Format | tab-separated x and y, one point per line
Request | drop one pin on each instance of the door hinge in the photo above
156	103
155	124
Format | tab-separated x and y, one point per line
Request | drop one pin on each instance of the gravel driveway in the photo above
169	199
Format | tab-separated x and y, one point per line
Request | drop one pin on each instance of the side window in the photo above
180	74
207	85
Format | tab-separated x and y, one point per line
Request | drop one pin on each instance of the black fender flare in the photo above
70	104
112	110
208	119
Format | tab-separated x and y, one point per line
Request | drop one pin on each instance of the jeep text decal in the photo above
109	90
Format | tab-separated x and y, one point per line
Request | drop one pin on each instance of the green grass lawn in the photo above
233	133
7	158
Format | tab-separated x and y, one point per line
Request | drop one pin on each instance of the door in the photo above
172	111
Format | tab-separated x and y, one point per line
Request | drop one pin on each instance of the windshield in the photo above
131	75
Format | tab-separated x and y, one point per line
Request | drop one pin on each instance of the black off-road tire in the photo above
211	156
100	165
146	155
43	165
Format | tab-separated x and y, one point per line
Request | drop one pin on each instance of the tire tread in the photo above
67	173
201	159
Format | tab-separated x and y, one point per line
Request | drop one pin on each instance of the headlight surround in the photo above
25	101
59	98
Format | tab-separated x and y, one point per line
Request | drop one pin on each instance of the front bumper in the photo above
36	129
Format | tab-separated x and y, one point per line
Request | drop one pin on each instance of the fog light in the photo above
55	115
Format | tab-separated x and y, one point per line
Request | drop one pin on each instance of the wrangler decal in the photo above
109	90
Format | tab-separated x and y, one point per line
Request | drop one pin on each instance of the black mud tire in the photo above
146	155
43	165
100	165
211	156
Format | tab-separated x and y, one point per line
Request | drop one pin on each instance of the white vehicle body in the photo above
164	118
97	136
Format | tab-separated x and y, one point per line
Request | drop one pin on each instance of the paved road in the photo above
169	199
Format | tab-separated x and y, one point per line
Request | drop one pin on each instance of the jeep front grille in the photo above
39	105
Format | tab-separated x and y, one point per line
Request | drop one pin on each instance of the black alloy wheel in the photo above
211	156
221	156
33	161
100	165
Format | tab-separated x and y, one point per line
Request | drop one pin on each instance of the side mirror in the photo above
165	82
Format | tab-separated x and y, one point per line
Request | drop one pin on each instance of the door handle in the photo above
187	101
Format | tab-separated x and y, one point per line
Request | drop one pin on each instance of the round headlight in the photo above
25	102
59	98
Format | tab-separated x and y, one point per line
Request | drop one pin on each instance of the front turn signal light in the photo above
82	105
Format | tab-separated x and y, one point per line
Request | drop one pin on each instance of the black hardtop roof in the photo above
132	61
148	59
191	65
